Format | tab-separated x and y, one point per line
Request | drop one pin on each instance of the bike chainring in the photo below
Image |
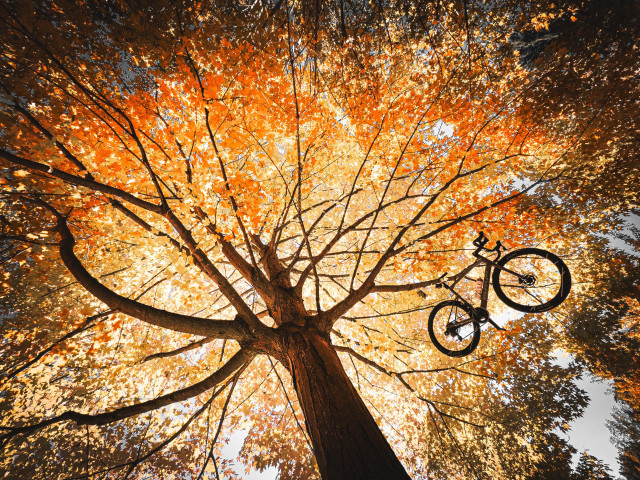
480	315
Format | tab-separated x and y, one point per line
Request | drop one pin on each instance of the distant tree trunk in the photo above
347	442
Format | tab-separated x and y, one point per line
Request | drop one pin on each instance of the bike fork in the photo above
483	289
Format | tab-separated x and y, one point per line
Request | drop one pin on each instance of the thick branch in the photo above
406	287
209	268
239	360
198	255
161	318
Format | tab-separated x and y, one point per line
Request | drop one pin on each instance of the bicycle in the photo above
529	280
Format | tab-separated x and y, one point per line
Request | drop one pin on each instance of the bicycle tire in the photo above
539	265
437	333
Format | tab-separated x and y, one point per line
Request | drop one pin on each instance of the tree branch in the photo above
178	351
161	318
83	182
405	288
238	361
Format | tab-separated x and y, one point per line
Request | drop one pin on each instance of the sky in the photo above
590	431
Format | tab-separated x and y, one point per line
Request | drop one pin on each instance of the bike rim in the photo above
538	280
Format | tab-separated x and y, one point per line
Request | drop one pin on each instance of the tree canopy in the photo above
222	219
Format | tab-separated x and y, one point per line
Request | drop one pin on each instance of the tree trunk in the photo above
347	443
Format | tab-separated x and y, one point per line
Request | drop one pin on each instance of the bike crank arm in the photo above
498	327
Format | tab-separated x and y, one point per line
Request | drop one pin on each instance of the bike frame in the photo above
489	264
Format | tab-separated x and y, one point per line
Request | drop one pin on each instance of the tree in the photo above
626	433
589	57
556	463
585	62
603	337
590	468
252	203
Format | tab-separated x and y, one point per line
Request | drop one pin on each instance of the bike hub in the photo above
529	280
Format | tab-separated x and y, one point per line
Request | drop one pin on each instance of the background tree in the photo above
626	435
603	337
589	90
251	203
585	62
557	461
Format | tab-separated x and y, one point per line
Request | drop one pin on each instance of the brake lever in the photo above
481	240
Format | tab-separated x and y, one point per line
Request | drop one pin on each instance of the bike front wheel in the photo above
531	280
453	328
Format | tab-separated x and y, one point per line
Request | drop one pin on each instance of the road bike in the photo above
529	280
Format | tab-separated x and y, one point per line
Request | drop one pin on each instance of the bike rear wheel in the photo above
531	280
453	328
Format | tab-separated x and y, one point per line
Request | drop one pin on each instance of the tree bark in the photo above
346	440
